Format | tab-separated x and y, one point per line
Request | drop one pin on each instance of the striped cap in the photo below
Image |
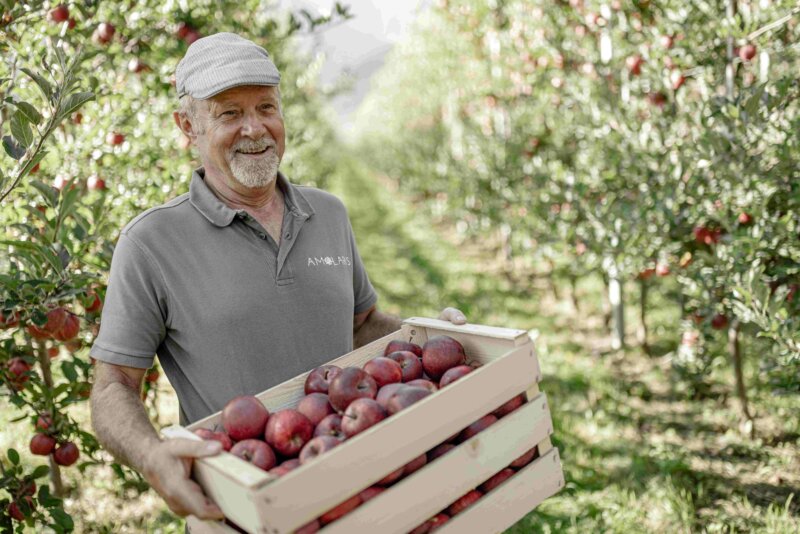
221	61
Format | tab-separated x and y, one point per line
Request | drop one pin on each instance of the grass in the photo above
638	454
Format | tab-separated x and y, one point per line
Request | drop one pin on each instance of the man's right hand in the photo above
168	468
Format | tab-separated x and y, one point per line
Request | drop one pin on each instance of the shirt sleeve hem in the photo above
366	304
119	358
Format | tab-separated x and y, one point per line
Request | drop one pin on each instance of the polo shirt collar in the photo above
218	213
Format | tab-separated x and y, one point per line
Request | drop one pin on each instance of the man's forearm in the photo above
122	425
377	325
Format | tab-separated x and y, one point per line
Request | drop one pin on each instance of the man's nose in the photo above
253	126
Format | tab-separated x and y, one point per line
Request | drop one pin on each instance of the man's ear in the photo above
185	125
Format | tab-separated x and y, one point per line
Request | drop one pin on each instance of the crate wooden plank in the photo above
512	500
411	501
516	336
229	481
316	487
198	526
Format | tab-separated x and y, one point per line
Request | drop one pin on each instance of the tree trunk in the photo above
643	287
573	286
47	376
552	280
734	348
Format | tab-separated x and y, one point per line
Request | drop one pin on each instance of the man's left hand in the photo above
453	315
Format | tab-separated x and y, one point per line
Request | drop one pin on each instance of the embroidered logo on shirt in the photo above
330	261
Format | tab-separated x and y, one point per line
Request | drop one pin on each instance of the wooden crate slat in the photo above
198	526
314	488
411	501
511	501
516	336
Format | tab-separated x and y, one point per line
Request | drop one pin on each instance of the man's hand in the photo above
167	469
453	315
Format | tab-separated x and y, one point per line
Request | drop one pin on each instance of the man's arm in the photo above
123	428
373	324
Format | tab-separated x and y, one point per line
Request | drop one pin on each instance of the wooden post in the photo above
643	287
47	376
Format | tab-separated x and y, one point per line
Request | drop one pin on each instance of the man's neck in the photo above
255	199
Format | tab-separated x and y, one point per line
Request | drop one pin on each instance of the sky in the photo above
358	46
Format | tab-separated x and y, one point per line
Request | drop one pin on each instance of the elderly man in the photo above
238	285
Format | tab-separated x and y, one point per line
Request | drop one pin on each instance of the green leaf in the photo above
40	471
751	106
69	371
73	102
12	148
21	129
44	85
62	518
13	456
29	111
49	192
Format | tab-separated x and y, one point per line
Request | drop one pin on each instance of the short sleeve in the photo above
133	321
364	296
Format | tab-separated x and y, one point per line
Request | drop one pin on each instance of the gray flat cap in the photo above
221	61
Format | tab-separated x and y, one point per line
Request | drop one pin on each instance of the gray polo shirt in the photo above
227	310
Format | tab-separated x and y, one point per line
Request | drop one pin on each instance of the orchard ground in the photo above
638	456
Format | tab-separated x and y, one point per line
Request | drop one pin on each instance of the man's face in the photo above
241	135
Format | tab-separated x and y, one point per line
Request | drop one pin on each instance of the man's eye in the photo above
229	113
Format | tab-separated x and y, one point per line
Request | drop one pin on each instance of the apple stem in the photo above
47	376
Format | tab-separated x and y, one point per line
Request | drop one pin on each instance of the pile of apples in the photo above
341	403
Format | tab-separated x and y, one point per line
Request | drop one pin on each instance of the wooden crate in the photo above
259	503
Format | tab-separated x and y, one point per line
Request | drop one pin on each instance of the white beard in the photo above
254	173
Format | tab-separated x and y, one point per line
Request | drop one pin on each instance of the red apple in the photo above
422	383
66	454
320	378
392	477
397	345
464	502
42	444
77	118
496	480
115	138
719	321
43	422
287	431
476	427
662	269
352	383
104	33
434	523
315	406
415	464
183	30
60	13
657	99
370	493
386	392
360	415
308	528
453	374
317	446
747	52
341	509
95	183
405	397
191	36
440	450
255	452
526	458
409	362
14	512
667	41
331	425
244	417
676	79
634	64
69	329
18	370
384	370
745	218
510	406
439	354
136	66
222	437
